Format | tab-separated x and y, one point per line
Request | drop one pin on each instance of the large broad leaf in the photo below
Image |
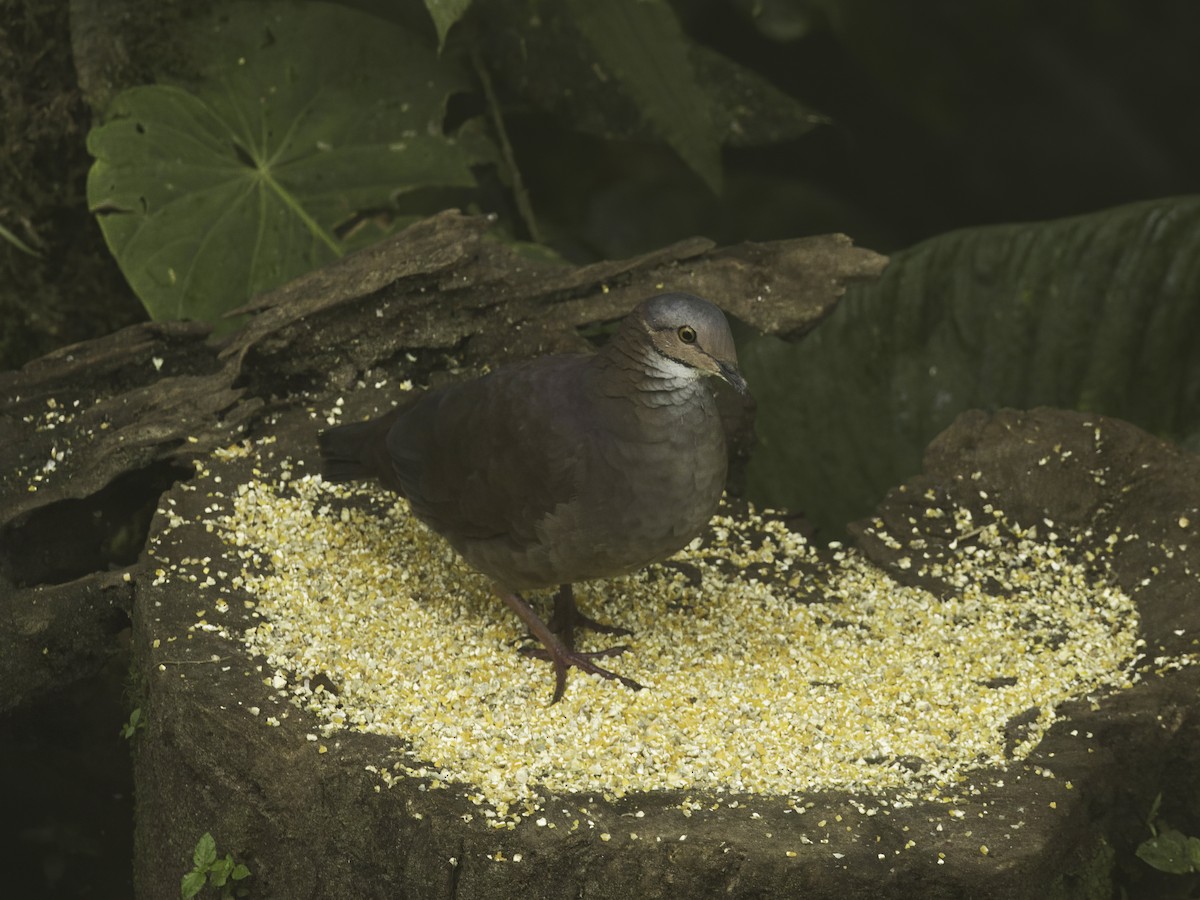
306	116
444	14
642	45
746	109
1098	313
633	75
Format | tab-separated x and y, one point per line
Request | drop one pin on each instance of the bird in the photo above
564	468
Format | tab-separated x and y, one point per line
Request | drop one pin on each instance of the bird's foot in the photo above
544	654
559	653
567	616
565	659
581	620
580	659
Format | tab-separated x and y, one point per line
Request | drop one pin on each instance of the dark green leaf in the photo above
444	14
130	727
308	115
747	110
205	853
1097	313
534	56
1168	852
641	45
1193	847
218	872
192	884
239	872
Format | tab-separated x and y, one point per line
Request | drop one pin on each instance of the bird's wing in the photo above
492	458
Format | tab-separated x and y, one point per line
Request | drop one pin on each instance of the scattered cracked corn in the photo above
819	672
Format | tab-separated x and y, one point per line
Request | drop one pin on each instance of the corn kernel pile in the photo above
785	670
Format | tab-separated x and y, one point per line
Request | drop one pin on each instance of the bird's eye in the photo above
687	334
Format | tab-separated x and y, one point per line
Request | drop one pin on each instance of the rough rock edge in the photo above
311	824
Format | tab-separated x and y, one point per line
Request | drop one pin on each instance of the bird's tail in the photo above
349	452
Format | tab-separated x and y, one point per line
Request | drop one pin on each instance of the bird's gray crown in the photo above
677	309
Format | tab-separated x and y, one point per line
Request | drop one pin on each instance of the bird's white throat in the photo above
669	373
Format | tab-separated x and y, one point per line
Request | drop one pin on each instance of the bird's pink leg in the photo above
558	653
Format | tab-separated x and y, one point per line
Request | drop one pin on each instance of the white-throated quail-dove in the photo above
564	468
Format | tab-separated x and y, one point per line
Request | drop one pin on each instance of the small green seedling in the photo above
1166	849
222	874
135	723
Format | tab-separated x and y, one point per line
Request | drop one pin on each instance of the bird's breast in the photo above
640	480
648	491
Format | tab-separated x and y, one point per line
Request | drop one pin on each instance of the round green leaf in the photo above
191	884
306	115
1167	852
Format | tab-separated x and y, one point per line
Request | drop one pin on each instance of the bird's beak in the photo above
728	372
